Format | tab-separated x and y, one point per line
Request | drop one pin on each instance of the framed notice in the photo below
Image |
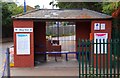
23	44
102	26
96	26
100	36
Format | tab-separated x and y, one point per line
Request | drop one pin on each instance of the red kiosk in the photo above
30	31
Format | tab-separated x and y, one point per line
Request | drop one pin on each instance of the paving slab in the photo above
50	68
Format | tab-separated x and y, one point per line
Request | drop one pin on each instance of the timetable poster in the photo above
23	44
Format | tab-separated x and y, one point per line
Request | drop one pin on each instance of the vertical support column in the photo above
101	27
23	28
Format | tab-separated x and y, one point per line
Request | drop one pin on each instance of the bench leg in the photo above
45	57
66	57
55	57
76	56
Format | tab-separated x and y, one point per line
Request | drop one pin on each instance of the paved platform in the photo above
50	68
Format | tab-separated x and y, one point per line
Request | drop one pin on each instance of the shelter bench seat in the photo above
63	52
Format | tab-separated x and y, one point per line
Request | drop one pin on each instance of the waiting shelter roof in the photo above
62	14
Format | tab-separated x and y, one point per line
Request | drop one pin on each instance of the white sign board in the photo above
23	44
96	26
23	29
102	26
101	36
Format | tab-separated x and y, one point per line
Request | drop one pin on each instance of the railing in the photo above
103	61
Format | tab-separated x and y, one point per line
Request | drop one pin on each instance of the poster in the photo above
101	36
23	44
102	26
97	26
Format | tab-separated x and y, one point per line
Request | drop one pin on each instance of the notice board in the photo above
100	36
23	44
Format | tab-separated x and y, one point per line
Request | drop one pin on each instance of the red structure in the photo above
34	24
107	30
24	60
116	14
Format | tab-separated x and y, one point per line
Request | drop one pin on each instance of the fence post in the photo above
83	43
8	62
97	57
111	42
79	58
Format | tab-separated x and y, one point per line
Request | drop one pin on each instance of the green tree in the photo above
37	7
8	9
14	8
110	7
97	6
6	15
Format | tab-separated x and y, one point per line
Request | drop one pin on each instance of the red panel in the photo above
40	36
24	60
107	30
22	23
83	30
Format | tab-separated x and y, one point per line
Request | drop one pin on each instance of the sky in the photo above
41	3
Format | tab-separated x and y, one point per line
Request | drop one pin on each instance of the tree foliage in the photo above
8	9
37	7
14	8
77	5
6	15
110	7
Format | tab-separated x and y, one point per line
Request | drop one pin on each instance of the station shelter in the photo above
30	31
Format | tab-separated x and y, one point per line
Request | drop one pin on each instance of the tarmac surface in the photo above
50	68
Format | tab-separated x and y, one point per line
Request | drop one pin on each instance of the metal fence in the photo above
60	30
99	58
64	34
